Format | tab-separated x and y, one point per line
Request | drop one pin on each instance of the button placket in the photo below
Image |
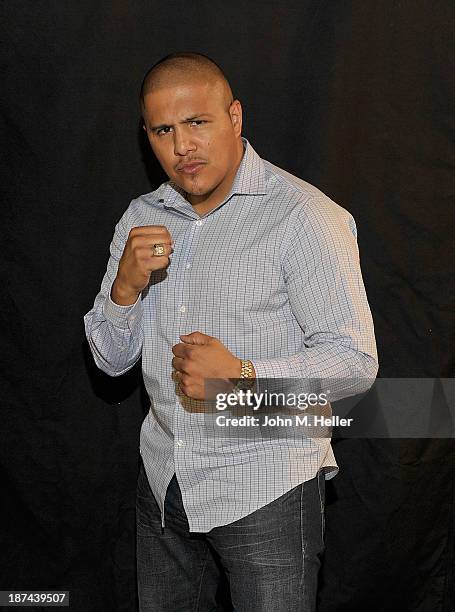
187	262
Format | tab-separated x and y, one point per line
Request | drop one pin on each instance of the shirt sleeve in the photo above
327	296
114	332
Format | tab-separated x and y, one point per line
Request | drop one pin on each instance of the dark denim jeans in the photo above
271	557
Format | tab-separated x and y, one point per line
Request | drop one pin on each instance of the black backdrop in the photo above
355	97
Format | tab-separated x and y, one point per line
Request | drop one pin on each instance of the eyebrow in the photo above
155	128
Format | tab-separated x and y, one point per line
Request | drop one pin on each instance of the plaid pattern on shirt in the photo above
273	272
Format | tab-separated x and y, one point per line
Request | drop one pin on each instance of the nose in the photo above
183	143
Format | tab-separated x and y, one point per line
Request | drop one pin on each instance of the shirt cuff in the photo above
268	369
122	316
271	368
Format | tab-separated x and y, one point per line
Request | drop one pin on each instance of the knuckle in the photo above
189	368
190	391
135	242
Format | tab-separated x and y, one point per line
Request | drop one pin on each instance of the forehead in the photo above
182	100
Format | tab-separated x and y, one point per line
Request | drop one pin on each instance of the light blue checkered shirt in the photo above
273	272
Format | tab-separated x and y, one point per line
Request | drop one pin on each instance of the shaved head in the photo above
185	68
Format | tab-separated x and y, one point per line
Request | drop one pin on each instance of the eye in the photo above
197	122
163	130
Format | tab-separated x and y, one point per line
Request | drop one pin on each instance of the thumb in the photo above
195	338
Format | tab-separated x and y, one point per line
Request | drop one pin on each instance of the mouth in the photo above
191	168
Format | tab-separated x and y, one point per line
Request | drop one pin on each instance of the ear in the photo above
235	110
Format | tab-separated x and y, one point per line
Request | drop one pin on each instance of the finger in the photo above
185	381
146	243
160	249
146	257
195	338
179	350
193	391
147	230
178	364
156	238
157	263
176	375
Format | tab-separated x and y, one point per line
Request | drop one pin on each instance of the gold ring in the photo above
158	249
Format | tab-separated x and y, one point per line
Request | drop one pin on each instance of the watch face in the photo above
244	384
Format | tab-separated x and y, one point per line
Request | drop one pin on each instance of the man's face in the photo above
194	133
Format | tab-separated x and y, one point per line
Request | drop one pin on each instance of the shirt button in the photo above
188	266
199	222
182	308
179	442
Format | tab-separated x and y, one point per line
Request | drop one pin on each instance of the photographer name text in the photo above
304	420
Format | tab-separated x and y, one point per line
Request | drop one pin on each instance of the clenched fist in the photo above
139	261
199	357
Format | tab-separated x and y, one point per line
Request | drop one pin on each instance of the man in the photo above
233	269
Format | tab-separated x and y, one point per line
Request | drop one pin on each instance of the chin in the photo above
198	192
196	189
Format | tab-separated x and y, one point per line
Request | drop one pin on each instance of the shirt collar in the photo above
250	179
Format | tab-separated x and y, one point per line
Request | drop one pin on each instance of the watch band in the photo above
246	379
247	369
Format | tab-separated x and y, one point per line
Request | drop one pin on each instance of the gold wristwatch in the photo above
246	378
